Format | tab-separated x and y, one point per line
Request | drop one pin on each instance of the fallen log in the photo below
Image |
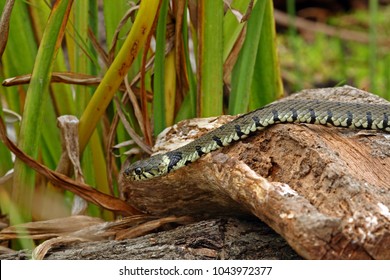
325	190
208	239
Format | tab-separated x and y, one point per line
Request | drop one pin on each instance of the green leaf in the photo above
243	70
210	58
231	27
159	73
188	107
6	163
266	82
112	16
37	93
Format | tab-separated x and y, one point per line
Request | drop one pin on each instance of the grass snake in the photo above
331	113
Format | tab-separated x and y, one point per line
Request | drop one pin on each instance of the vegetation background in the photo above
128	69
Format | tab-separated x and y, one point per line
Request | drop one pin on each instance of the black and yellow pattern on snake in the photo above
338	114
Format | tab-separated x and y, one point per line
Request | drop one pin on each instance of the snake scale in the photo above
331	113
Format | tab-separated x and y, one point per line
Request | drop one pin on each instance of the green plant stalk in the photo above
242	75
100	170
266	82
82	64
210	58
19	44
98	156
159	120
231	27
85	62
188	107
343	65
93	24
50	149
121	136
5	155
386	77
112	16
118	69
373	49
170	88
17	219
6	160
37	93
60	93
191	75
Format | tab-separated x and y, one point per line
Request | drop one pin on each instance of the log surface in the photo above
209	239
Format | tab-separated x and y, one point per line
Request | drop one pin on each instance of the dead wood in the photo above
325	190
208	239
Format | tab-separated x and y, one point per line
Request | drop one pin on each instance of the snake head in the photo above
146	169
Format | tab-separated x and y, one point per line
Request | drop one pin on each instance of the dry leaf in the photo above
50	228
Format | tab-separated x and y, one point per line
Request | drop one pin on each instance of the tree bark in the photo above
208	239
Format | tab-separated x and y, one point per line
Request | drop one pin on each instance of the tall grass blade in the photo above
170	87
19	45
243	70
61	95
37	95
232	27
266	82
6	163
210	58
188	107
112	16
159	119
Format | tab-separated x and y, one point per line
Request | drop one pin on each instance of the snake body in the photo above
338	114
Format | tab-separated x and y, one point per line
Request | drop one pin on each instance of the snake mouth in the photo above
138	174
147	169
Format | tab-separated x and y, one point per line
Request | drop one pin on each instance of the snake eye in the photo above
138	171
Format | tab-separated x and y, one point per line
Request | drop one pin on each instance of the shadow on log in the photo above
324	190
